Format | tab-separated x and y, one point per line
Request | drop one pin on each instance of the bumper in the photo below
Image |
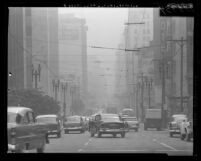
12	147
73	128
174	131
53	132
111	131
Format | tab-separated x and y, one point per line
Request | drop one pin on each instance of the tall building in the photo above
19	55
45	47
73	51
138	34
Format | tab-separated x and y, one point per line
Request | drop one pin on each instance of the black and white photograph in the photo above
100	80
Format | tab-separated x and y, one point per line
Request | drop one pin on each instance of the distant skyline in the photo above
105	26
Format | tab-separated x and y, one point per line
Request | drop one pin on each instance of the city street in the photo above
150	141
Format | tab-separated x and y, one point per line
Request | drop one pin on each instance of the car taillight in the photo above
12	135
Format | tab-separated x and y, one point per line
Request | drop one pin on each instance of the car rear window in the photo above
11	117
73	119
47	120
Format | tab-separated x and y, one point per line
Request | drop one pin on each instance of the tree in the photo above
34	99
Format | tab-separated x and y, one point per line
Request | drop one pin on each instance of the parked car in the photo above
23	132
174	125
107	124
132	122
186	130
53	124
74	123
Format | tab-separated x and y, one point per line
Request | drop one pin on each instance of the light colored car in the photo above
53	124
24	133
132	122
174	125
186	130
74	123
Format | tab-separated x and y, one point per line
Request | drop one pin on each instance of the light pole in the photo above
64	90
36	75
55	87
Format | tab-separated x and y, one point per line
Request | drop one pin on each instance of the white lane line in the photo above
80	150
168	146
154	139
86	143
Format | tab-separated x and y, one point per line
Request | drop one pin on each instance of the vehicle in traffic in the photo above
23	132
153	119
175	123
74	123
128	112
107	124
186	130
53	124
133	123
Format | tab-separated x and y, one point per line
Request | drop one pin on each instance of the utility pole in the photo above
55	87
142	95
181	44
72	102
64	90
36	74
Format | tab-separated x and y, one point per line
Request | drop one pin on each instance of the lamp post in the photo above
36	75
64	90
55	87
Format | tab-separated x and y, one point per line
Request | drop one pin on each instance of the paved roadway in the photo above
150	141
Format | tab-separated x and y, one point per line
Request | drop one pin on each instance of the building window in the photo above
28	30
70	34
28	12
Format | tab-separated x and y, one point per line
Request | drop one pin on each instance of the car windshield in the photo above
11	118
73	119
47	120
109	118
130	119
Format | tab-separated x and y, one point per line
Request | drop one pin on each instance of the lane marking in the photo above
154	139
149	151
86	143
80	150
168	146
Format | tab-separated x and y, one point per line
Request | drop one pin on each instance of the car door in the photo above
36	133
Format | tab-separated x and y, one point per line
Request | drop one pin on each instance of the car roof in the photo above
19	109
179	115
50	115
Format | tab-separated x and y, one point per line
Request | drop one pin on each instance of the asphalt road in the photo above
150	141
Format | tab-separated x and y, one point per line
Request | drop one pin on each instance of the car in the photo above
23	132
74	123
53	124
186	130
132	122
174	125
107	124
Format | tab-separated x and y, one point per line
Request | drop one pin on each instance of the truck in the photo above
153	119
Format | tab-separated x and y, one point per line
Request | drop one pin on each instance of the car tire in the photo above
114	135
171	134
182	136
99	135
136	130
41	149
145	128
92	134
123	134
59	134
66	132
187	137
158	129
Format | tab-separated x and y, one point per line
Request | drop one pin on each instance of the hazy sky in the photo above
105	26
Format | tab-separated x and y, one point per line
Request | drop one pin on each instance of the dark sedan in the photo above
107	124
52	122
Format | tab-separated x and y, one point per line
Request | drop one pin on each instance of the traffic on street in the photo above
100	80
